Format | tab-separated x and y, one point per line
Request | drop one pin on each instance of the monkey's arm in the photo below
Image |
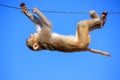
28	14
44	20
33	18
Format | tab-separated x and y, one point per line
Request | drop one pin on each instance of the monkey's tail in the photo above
98	52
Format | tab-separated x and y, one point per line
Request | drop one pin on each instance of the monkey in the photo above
45	39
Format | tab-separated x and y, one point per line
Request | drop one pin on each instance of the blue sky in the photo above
17	62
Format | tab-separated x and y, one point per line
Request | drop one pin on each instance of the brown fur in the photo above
46	40
62	43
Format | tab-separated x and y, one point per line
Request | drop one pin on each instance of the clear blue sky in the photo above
17	62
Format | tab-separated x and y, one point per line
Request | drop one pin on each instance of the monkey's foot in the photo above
103	18
93	14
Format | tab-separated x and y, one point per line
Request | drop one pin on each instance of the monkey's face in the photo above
32	37
32	42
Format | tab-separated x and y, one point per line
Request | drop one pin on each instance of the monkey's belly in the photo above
62	47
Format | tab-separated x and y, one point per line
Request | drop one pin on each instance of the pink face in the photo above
32	36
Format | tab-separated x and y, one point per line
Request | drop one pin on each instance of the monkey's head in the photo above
32	42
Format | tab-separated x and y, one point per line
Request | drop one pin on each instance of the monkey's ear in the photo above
35	46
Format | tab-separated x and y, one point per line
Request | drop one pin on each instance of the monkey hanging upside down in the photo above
44	39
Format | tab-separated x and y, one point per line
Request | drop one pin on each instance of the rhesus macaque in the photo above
44	39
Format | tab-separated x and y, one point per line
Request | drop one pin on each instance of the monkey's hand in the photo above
23	8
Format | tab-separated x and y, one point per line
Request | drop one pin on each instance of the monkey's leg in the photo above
96	22
83	35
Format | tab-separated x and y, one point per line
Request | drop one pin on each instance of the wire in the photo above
9	6
3	5
45	10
